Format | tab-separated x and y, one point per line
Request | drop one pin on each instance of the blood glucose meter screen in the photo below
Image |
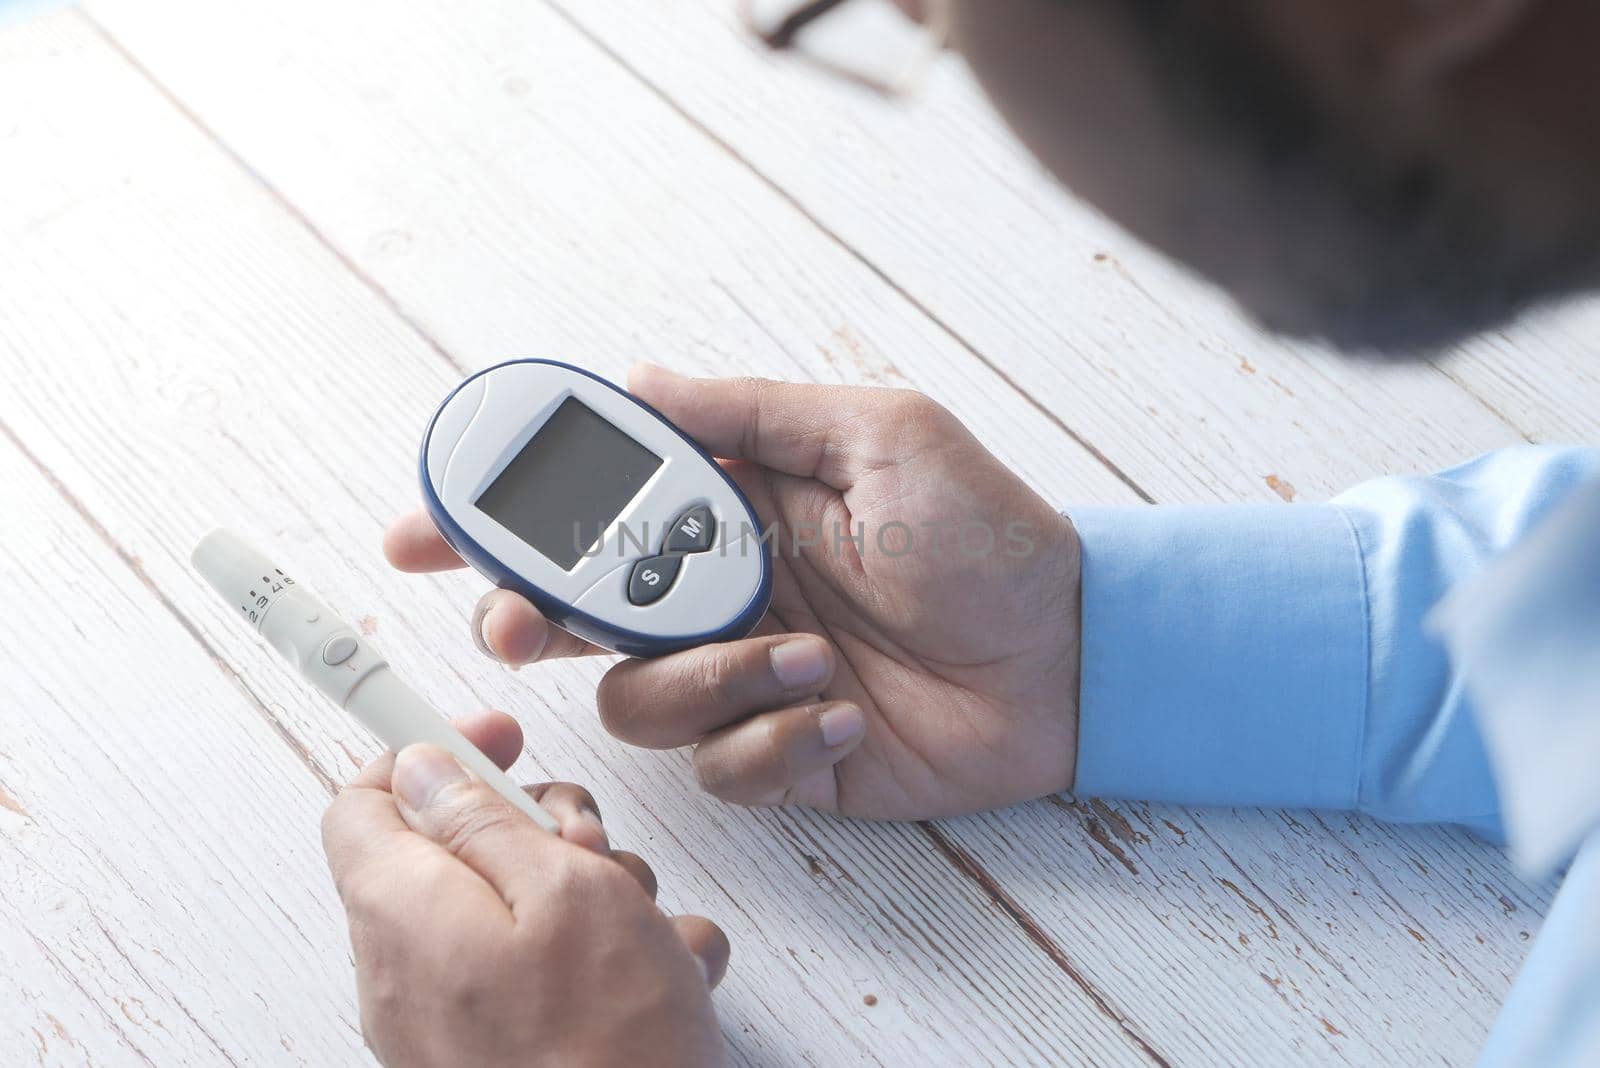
576	475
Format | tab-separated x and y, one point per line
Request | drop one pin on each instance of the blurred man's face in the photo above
1386	174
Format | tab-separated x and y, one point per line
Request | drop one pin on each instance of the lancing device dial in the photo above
556	484
263	593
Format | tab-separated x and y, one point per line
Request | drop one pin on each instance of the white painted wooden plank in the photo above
1543	374
162	897
541	204
936	193
1231	900
192	353
898	183
280	151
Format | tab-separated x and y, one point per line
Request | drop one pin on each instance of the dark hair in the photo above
1396	248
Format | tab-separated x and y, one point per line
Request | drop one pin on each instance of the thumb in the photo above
829	433
440	801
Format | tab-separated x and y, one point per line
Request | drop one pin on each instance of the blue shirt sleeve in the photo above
1279	656
1552	1018
1276	655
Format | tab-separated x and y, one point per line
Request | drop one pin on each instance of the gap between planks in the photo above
133	564
958	859
992	888
969	866
882	274
872	267
289	207
850	250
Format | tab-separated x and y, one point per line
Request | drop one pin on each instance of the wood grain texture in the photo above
266	322
196	335
528	52
1104	329
163	899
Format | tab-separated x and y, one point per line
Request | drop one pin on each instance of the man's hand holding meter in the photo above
1390	177
891	678
917	671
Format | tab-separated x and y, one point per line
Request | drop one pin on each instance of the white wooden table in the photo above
244	249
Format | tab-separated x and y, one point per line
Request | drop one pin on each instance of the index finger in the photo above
830	433
413	543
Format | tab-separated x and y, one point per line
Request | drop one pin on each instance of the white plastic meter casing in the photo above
558	485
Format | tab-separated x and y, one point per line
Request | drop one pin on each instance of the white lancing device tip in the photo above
339	661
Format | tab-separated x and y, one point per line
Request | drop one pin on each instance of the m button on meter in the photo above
692	533
652	578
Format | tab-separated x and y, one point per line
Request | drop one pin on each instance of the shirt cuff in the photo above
1225	655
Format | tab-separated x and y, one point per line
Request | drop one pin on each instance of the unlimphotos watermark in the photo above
972	539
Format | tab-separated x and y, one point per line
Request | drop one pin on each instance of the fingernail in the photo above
480	638
800	663
479	617
651	378
421	771
840	724
645	367
597	839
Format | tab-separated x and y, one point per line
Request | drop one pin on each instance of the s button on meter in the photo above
651	579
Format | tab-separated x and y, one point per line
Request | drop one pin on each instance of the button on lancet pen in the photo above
345	667
338	650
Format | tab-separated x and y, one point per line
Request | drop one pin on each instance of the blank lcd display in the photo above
567	485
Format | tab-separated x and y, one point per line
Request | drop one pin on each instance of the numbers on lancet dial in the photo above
260	599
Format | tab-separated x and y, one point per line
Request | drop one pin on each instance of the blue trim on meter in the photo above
559	612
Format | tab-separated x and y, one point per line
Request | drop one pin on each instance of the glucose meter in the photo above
558	485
